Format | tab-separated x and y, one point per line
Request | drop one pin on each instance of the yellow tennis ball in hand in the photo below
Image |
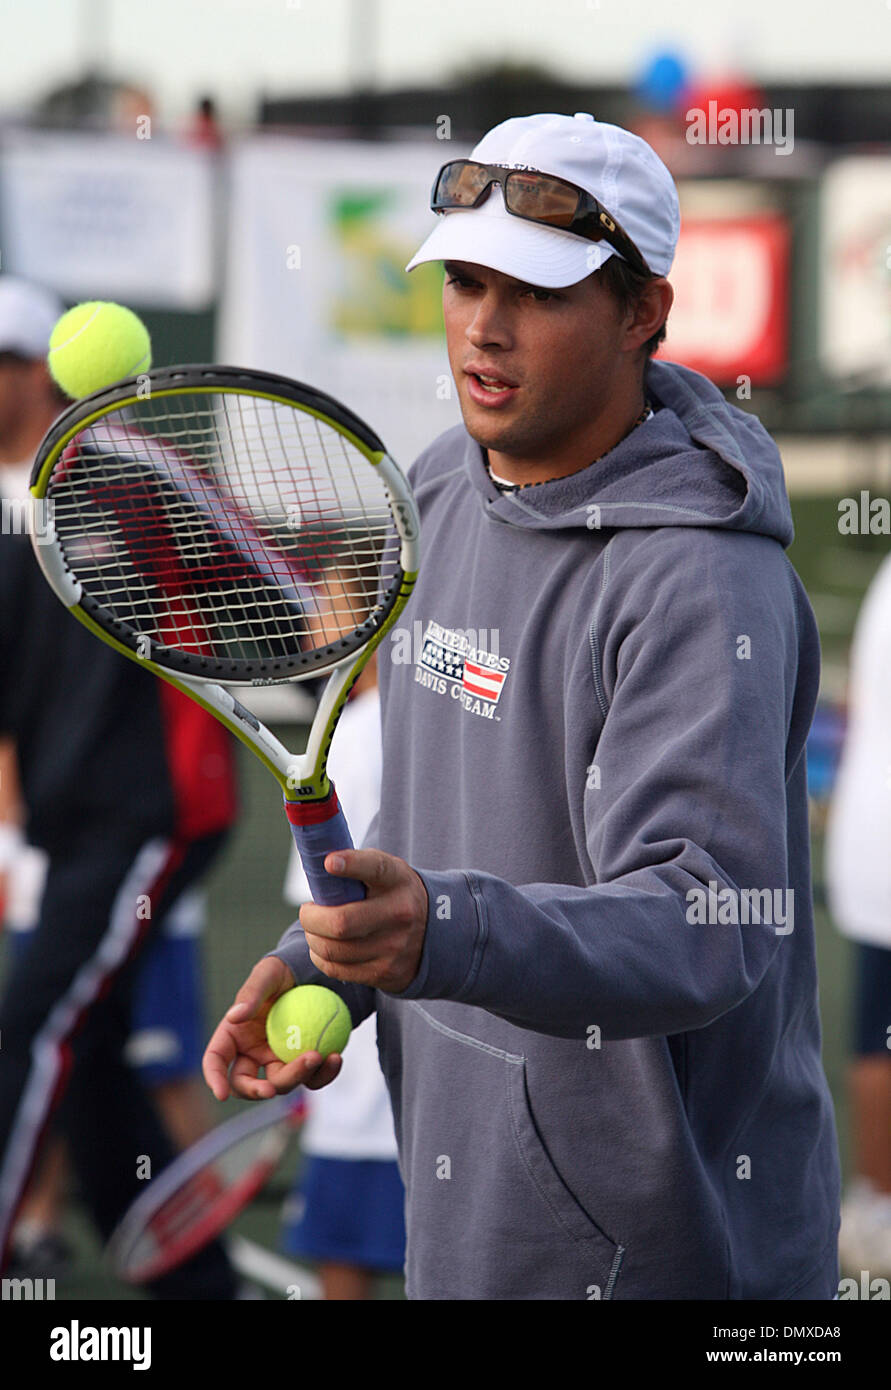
309	1018
96	344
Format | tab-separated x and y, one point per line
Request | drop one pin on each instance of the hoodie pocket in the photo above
506	1223
565	1210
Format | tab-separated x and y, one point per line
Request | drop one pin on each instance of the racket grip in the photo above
319	827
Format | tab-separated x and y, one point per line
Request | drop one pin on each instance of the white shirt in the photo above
14	480
858	833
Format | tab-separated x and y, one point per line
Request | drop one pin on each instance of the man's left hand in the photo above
377	942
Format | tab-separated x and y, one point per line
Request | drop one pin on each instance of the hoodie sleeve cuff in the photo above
294	951
454	940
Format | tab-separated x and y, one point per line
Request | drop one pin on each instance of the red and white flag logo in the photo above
484	681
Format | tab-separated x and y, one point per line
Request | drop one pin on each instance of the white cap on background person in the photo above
28	315
620	169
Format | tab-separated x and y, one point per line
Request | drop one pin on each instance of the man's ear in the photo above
649	313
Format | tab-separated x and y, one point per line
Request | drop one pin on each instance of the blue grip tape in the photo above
313	843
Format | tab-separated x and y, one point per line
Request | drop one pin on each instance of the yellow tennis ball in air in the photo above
309	1018
96	344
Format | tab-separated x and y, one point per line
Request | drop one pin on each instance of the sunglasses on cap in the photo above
536	197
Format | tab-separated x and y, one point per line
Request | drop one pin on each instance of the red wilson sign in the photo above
730	312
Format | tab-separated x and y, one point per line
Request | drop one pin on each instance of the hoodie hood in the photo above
697	462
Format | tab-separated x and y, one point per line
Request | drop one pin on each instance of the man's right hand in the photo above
238	1048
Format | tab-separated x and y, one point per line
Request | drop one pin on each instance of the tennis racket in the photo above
201	1192
224	525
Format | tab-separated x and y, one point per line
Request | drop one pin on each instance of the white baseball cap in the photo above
620	169
28	315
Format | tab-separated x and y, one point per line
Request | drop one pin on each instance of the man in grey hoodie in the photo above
588	934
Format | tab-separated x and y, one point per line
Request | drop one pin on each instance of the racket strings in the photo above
226	524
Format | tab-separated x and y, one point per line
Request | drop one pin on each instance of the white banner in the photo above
319	236
855	270
109	217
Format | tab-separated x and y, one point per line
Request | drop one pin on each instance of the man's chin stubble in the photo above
515	445
520	440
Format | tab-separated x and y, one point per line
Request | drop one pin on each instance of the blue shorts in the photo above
872	999
166	1043
350	1210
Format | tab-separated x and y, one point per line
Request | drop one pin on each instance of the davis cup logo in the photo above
450	664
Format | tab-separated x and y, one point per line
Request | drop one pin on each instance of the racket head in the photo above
202	1191
225	525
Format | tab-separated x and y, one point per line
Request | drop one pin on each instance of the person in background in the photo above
165	1044
858	882
39	1247
346	1211
128	788
204	127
